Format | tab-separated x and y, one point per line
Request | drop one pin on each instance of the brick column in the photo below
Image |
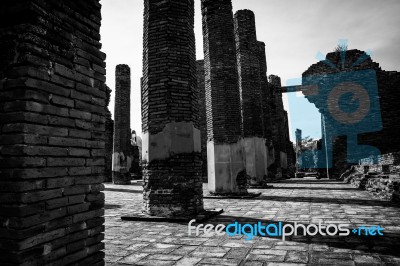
171	135
250	85
201	87
53	100
122	152
109	137
226	171
277	123
266	105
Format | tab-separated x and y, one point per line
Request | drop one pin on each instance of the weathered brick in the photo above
65	162
70	142
20	162
28	128
95	162
80	114
56	203
59	100
78	208
74	133
20	149
22	139
34	173
73	171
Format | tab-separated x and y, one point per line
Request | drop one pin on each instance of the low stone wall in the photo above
379	176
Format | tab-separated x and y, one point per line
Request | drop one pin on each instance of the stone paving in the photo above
297	200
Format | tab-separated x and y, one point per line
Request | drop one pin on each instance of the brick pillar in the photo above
109	136
277	123
226	171
53	100
201	87
284	138
171	135
250	85
266	105
122	153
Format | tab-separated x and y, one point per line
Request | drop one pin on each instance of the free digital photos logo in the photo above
345	91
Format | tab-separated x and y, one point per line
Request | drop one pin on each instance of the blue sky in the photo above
294	32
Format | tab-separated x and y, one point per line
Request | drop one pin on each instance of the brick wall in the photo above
52	123
170	110
122	152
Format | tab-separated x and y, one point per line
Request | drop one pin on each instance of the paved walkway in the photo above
298	200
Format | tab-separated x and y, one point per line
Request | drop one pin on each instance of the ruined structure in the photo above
378	175
226	169
170	115
53	100
109	127
201	87
251	83
122	152
354	131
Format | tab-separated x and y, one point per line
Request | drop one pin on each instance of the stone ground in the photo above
297	200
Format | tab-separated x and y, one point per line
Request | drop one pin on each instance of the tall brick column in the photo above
277	123
170	115
226	170
201	87
122	155
109	137
52	102
250	85
266	105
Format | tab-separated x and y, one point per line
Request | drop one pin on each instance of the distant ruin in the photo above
378	126
122	152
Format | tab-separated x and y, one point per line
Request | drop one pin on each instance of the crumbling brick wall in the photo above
52	121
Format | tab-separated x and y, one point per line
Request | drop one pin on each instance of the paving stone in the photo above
134	258
266	257
188	261
147	262
172	239
297	257
222	262
237	253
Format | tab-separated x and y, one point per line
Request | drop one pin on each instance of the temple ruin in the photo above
222	118
372	128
